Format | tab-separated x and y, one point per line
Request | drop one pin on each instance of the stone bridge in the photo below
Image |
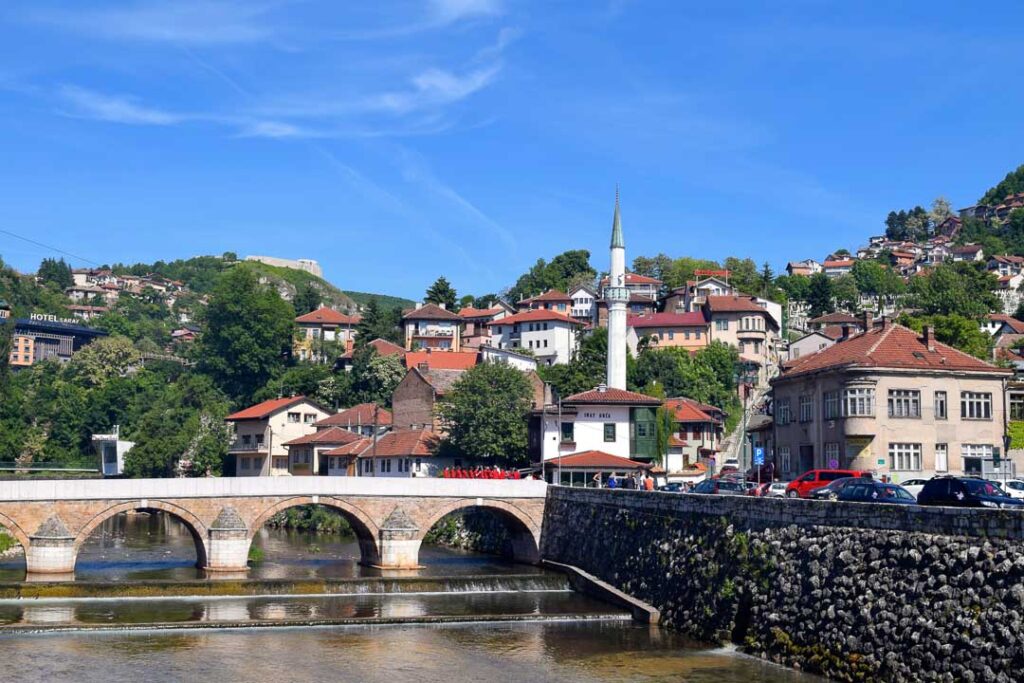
390	516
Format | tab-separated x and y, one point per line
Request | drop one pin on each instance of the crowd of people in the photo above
479	472
638	481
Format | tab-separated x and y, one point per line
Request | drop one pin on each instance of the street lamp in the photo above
745	374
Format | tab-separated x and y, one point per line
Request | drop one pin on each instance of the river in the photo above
521	624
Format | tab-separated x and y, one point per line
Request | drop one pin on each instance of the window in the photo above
831	405
259	439
806	408
1016	406
309	418
609	432
246	439
244	463
859	402
568	432
721	325
941	457
784	458
832	453
941	406
975	405
905	456
782	411
904	403
293	417
385	465
976	450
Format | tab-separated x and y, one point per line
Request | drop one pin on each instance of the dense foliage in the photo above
564	272
1011	184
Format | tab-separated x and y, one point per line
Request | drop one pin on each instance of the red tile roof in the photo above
442	360
1016	326
362	414
887	346
842	263
674	440
265	409
837	318
330	436
328	316
354	448
667	320
635	279
535	315
383	348
967	249
685	410
405	442
610	396
429	312
725	303
470	312
598	460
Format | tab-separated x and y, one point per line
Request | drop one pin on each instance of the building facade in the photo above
262	430
432	326
324	334
550	336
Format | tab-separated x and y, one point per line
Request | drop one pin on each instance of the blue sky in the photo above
398	141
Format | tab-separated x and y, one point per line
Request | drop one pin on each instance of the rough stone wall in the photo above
474	529
853	591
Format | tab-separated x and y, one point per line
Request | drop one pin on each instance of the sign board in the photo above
881	461
833	463
759	455
49	318
708	272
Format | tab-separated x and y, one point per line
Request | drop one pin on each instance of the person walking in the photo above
648	483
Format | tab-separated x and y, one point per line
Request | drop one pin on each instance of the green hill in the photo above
384	300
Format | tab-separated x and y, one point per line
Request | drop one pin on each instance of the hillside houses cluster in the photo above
95	290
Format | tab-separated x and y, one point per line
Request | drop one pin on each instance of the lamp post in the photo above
745	376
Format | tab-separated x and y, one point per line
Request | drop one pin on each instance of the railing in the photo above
433	333
240	447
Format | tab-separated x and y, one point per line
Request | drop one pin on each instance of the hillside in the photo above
385	300
288	280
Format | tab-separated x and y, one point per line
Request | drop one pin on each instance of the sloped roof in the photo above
837	318
354	448
610	396
726	303
383	348
1016	326
440	380
442	360
330	436
362	414
429	312
695	319
535	315
887	346
635	279
267	408
470	312
325	315
404	442
598	460
685	410
550	295
838	263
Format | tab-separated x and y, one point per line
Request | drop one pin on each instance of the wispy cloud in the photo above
114	108
450	11
186	22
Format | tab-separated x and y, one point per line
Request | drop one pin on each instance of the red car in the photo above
802	486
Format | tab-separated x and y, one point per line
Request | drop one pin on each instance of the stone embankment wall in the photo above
857	592
478	530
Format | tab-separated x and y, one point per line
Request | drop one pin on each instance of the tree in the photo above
307	298
796	287
105	358
56	273
248	334
374	377
767	280
586	370
442	292
378	323
743	274
1011	184
819	295
842	253
957	331
941	210
485	414
961	288
656	266
844	291
914	225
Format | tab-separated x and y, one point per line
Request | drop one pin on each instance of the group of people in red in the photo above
479	473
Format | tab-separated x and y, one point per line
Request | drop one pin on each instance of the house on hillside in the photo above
891	401
323	331
362	419
381	346
837	267
697	432
551	300
261	432
742	322
432	326
584	304
664	330
475	331
806	268
551	337
307	454
967	252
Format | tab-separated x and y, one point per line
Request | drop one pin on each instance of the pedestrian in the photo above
648	483
613	482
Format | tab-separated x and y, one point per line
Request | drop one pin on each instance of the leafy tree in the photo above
374	377
105	358
875	279
962	288
307	298
299	380
378	323
914	225
565	270
767	280
743	274
796	287
819	295
55	272
441	292
466	300
485	414
941	210
664	428
248	334
655	266
229	256
956	330
844	291
842	253
1011	184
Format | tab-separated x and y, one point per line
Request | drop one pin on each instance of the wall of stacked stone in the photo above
474	529
857	592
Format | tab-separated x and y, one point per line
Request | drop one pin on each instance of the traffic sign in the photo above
758	455
833	463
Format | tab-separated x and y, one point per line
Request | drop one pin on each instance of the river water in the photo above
526	626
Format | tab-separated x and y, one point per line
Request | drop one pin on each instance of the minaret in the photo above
616	296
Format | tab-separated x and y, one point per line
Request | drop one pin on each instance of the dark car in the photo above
721	487
673	487
834	488
867	491
965	492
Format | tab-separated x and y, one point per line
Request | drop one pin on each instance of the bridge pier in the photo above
228	543
399	546
51	550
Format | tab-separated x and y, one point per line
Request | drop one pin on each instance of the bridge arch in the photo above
195	526
14	529
366	530
525	530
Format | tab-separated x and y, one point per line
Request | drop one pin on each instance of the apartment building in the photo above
432	326
548	335
262	430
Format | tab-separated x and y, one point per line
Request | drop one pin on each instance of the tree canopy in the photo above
565	271
1011	184
962	288
442	292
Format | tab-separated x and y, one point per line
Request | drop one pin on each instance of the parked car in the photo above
1014	488
777	489
758	490
966	492
673	487
833	489
802	486
721	487
869	491
914	486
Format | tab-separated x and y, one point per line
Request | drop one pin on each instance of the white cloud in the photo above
274	130
115	108
186	22
450	11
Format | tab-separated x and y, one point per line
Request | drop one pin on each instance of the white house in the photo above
549	335
520	361
262	430
584	304
838	267
808	344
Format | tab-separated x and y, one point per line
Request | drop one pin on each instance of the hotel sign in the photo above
48	318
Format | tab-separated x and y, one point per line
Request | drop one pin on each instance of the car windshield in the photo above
979	487
1015	485
731	486
893	492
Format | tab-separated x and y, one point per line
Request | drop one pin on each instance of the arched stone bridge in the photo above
390	516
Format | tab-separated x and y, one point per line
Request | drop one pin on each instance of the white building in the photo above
584	304
520	361
549	335
262	430
604	419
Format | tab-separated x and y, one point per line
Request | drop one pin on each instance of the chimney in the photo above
846	332
866	320
602	387
443	306
419	305
423	367
929	338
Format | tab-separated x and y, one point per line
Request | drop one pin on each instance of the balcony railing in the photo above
238	446
433	333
